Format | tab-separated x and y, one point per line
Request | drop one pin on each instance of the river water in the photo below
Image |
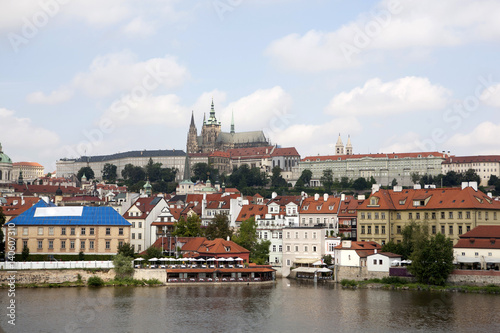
287	306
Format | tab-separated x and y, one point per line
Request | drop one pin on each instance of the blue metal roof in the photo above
98	216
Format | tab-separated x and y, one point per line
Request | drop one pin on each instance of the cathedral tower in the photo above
192	142
210	131
339	147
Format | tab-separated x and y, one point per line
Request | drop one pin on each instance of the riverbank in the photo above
395	283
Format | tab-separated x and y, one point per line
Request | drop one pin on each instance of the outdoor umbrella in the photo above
153	259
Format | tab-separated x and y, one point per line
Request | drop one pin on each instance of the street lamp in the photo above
169	243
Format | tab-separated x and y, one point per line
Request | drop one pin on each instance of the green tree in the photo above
153	252
451	179
471	176
360	184
153	171
25	254
109	172
180	228
203	172
87	171
123	266
328	260
393	247
306	177
299	185
218	228
327	180
260	254
432	260
247	234
415	177
494	180
394	182
276	179
126	249
168	174
345	182
81	256
189	228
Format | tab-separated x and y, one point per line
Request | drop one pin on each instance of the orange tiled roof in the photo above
33	164
439	198
362	245
249	211
320	206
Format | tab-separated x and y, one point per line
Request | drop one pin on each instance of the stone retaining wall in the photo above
147	274
356	273
468	277
41	276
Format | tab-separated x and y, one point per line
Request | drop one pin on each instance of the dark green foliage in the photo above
260	253
81	256
218	228
126	249
305	177
189	228
153	252
327	180
245	177
328	260
25	254
203	172
133	174
95	281
109	172
123	266
432	260
276	179
87	171
360	184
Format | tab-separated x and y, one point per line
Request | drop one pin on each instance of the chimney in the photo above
398	188
375	251
316	197
464	185
375	188
490	194
342	197
274	195
473	185
417	187
325	197
361	197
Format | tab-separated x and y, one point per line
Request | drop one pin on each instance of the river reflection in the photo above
287	306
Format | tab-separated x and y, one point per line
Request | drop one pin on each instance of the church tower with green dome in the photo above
5	168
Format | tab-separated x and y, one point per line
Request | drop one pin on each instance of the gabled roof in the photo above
483	231
348	207
320	206
438	198
32	164
145	205
47	214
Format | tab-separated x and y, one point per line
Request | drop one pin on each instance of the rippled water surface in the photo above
287	306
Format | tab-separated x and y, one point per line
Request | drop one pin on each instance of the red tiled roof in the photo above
348	207
439	198
320	206
290	151
381	155
215	247
81	198
46	189
34	164
249	211
220	154
483	231
472	243
144	205
472	159
389	254
12	210
362	245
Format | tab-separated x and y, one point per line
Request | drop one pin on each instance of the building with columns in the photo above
6	176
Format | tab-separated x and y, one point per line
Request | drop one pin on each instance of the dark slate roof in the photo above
129	154
88	216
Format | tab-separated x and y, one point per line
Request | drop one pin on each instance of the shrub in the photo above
348	283
394	280
95	281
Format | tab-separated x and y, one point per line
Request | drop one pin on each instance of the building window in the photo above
72	244
398	229
120	244
51	244
91	231
376	230
305	248
120	231
91	244
374	261
288	235
133	224
418	216
51	231
140	224
280	248
314	235
63	230
376	216
25	243
25	231
63	244
40	244
139	236
369	228
82	231
288	248
467	228
383	229
382	215
433	215
288	262
108	245
73	231
82	244
451	230
380	262
467	215
476	254
460	215
274	248
305	235
133	235
459	229
40	230
479	215
280	235
314	248
433	229
369	216
410	216
139	248
362	229
296	235
450	215
296	248
362	217
398	216
108	231
442	229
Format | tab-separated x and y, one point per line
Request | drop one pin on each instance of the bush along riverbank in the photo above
94	281
397	283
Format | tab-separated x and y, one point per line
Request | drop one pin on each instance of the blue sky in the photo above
98	77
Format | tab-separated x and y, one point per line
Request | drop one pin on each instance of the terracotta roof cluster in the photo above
320	206
481	237
249	211
438	198
381	155
348	207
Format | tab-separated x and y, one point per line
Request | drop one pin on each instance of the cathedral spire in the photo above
192	119
232	122
211	119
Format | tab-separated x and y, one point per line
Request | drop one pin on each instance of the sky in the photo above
91	77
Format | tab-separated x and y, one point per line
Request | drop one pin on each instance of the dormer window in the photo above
227	248
319	207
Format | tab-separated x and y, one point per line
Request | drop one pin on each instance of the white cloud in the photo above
403	95
491	96
317	139
262	109
483	139
391	25
23	134
120	72
55	97
407	142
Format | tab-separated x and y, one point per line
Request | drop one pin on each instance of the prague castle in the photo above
212	138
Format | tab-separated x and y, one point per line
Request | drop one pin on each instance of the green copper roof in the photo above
3	157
